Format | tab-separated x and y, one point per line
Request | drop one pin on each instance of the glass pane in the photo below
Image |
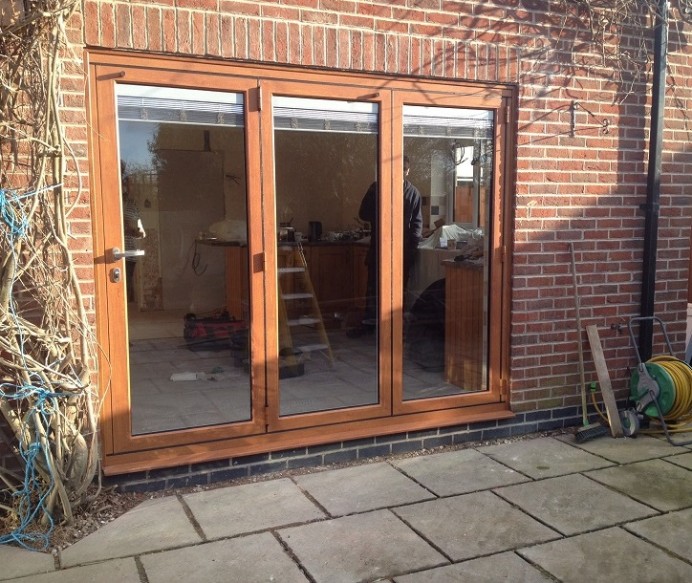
184	227
325	162
445	314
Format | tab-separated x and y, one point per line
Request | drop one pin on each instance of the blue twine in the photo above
12	215
33	494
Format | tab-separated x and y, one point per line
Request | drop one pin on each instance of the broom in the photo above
587	431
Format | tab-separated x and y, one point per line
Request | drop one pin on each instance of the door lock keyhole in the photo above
116	275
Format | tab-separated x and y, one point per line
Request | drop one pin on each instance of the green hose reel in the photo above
666	396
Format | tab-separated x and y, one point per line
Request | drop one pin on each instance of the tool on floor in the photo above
661	390
604	381
588	430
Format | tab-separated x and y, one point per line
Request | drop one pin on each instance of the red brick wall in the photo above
584	188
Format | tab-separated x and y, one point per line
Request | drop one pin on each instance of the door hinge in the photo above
503	254
507	115
259	98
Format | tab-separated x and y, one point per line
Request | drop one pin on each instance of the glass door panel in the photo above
325	161
184	205
446	293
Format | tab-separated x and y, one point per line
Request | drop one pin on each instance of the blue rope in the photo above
33	494
34	491
12	214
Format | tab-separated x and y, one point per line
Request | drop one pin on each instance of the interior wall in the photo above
322	176
231	142
190	198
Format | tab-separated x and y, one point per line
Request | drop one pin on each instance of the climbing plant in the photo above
46	396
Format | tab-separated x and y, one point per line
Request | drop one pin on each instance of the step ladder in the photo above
301	327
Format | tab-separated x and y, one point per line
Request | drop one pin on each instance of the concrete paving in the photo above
540	510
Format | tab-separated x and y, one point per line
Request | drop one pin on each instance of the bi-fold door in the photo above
242	289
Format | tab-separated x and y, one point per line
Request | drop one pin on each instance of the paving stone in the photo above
657	483
608	556
251	508
361	547
544	458
153	525
254	558
683	460
361	488
673	531
18	562
115	571
625	450
574	504
472	525
502	568
458	472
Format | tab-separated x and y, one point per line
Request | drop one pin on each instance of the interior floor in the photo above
173	387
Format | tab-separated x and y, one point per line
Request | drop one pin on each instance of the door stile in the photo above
257	256
111	305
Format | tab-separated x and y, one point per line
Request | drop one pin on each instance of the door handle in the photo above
118	254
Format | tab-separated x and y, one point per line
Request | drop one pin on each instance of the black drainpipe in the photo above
653	183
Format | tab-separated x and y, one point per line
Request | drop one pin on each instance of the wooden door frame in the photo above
111	326
308	89
123	452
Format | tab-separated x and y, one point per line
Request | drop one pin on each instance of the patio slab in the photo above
361	488
116	571
251	559
625	450
607	556
544	458
574	504
458	472
657	483
472	525
671	531
684	460
251	508
362	547
18	562
502	568
153	525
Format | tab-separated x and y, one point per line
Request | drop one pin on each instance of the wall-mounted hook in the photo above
573	118
605	124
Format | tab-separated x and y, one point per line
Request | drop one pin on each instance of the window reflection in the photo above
325	161
445	314
182	166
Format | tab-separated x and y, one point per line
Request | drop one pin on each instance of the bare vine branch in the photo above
46	395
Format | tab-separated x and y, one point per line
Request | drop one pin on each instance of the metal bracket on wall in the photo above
574	106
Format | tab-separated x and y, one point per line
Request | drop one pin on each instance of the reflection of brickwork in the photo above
144	187
150	273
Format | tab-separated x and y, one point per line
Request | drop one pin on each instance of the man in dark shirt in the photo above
413	229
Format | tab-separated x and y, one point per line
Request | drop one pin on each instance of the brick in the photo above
374	451
91	23
169	27
107	22
198	32
139	28
184	32
123	19
213	45
154	29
